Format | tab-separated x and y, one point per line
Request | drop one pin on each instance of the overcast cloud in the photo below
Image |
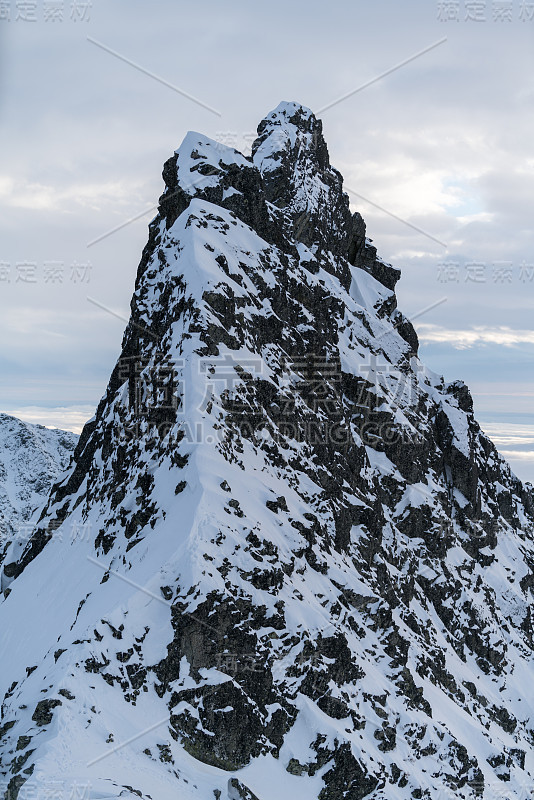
444	143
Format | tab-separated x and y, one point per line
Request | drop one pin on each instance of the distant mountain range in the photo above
31	460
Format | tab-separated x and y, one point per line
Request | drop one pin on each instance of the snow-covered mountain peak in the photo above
289	128
289	109
286	563
287	192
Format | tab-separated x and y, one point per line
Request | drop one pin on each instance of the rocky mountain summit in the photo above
302	570
31	459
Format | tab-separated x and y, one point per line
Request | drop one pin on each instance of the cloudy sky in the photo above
428	112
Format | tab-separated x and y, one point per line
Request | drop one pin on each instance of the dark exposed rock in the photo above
346	778
43	713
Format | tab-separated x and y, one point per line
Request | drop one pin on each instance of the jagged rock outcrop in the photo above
309	572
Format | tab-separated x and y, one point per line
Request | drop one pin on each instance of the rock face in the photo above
305	572
31	459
